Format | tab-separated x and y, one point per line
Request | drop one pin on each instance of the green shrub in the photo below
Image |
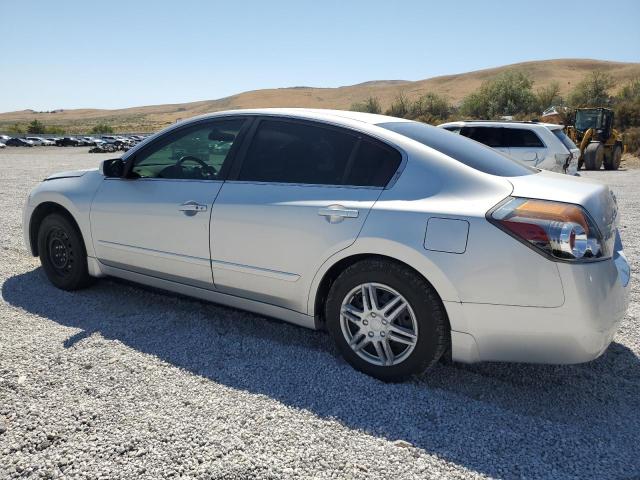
36	127
400	107
509	93
102	128
370	105
430	108
593	91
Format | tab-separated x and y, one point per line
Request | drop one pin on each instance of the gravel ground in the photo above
121	382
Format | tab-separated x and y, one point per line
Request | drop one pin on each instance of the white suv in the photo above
541	145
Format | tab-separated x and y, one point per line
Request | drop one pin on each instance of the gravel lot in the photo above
121	382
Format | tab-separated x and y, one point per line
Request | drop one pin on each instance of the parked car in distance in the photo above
541	145
19	142
92	141
68	142
54	139
406	242
39	141
4	138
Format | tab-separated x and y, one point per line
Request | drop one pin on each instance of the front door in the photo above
302	193
156	221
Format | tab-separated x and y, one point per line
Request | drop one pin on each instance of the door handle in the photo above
191	208
337	213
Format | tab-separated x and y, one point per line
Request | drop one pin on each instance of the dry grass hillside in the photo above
455	87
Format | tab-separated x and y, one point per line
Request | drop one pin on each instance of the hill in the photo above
568	72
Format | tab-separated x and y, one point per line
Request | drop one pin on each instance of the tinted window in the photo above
291	152
197	152
372	165
453	128
566	141
490	136
520	138
461	149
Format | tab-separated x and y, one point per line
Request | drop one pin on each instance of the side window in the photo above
521	138
196	153
373	165
490	136
291	152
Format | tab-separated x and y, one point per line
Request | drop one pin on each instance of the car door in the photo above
489	135
525	145
156	220
300	193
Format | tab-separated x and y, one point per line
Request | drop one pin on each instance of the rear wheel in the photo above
386	320
612	161
593	156
62	253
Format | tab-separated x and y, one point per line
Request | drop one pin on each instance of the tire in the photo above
424	318
612	161
62	253
593	156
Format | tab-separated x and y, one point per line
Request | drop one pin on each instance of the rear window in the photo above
566	141
472	154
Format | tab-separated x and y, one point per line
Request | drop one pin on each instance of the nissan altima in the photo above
406	242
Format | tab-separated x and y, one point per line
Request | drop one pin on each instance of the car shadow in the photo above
530	417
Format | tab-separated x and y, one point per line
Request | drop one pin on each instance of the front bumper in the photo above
596	300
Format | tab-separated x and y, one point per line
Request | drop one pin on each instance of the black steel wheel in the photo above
62	253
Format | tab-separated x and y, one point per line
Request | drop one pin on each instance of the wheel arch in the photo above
320	293
43	210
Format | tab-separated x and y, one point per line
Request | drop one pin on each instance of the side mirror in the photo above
113	168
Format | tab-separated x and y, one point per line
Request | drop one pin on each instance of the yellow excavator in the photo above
600	144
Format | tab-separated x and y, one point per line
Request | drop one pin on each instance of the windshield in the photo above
566	141
586	119
460	148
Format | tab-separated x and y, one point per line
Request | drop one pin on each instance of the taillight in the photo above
562	230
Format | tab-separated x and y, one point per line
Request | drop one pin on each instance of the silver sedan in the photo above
406	242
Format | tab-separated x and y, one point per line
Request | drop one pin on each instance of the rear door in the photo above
301	193
156	221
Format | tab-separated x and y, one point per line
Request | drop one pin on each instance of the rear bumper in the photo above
596	300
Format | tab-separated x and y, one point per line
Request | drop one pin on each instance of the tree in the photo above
430	108
102	128
36	127
593	91
400	106
370	105
509	93
548	96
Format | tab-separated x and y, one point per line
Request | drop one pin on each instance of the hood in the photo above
69	174
594	196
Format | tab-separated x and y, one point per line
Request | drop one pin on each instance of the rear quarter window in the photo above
521	138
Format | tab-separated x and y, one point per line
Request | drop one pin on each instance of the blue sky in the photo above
74	54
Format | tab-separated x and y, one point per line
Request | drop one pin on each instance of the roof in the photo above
497	123
314	113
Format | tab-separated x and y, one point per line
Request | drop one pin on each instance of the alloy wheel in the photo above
378	324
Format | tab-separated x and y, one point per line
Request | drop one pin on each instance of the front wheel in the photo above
62	253
386	320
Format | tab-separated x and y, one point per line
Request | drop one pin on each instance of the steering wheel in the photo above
205	168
